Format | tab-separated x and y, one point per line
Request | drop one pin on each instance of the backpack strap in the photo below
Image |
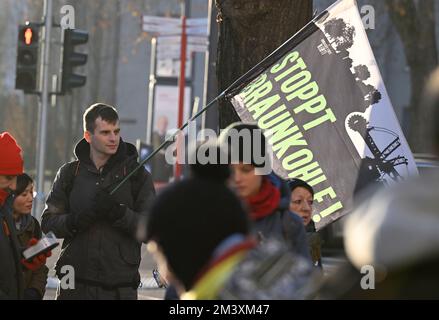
71	171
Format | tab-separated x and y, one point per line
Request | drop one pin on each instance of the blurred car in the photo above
426	163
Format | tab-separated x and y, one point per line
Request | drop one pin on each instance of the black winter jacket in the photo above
11	276
283	224
106	255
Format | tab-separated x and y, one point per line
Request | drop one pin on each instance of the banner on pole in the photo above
332	124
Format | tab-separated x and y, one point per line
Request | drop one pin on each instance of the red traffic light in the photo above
28	33
26	72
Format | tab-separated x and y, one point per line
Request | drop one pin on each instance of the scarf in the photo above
265	202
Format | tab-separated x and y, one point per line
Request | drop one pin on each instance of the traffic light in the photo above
72	59
27	57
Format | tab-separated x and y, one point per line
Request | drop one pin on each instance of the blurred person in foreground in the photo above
199	234
393	234
11	165
11	260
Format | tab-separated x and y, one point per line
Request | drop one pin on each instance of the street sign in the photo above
162	21
170	40
169	67
197	30
172	53
173	26
175	48
191	22
196	22
197	48
161	30
173	30
166	104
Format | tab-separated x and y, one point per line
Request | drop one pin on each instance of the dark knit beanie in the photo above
294	183
190	219
245	143
208	163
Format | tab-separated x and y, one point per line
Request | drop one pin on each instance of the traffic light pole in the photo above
151	90
206	63
42	119
181	88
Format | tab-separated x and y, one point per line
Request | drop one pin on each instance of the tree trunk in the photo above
416	26
249	31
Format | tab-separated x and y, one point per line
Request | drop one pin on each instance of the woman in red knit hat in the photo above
11	268
11	165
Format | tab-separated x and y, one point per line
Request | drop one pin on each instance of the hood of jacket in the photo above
285	193
125	151
396	227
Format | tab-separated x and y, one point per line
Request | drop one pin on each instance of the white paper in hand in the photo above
45	244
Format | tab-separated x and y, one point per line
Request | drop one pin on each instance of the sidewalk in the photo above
147	291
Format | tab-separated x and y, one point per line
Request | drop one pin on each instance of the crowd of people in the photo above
224	232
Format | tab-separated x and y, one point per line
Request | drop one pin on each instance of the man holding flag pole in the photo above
102	232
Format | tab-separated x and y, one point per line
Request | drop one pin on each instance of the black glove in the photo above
108	208
80	221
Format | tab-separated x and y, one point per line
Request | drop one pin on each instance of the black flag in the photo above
322	102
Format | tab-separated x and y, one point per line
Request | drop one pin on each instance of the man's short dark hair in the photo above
105	111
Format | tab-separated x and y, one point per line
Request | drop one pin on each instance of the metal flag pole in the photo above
236	85
42	123
168	140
